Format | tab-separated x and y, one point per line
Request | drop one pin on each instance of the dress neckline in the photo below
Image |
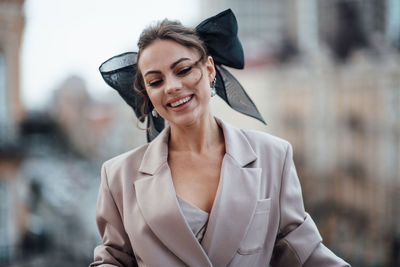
191	205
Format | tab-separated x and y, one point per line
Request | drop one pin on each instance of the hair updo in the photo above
165	30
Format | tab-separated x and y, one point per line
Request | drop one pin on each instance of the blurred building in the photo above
334	93
58	187
273	30
11	111
263	24
344	124
64	148
50	161
11	27
96	130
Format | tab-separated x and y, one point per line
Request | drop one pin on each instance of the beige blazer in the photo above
257	219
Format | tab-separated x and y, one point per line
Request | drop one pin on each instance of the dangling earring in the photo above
154	113
212	87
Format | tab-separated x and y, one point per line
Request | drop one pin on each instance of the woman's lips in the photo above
181	103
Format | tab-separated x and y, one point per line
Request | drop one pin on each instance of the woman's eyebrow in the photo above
171	67
151	72
177	62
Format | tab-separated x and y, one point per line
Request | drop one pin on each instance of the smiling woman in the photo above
202	193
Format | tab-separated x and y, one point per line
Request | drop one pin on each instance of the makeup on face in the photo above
176	81
184	69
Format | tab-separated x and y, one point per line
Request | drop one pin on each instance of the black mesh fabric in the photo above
119	73
232	92
154	126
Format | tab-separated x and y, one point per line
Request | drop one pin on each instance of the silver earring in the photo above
154	113
213	92
212	89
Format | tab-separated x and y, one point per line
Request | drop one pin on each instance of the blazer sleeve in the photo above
298	242
115	249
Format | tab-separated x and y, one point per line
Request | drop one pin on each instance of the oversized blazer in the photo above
257	218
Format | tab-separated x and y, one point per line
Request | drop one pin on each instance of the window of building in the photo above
3	98
5	247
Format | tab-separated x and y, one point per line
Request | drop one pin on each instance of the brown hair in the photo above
165	30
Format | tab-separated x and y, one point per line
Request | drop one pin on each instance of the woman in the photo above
202	193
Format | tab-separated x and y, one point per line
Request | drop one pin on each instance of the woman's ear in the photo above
210	68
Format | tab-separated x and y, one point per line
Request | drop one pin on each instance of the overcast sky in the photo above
67	37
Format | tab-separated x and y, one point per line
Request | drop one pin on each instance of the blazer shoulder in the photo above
261	142
131	159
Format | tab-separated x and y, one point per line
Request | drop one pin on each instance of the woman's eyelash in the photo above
155	83
185	70
182	72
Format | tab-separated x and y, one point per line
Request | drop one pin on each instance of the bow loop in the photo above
119	72
219	34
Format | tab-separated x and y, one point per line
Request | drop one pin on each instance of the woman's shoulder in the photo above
262	141
264	137
257	139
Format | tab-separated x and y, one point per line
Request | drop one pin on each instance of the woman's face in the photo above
176	81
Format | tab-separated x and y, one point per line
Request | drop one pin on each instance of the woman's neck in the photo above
198	137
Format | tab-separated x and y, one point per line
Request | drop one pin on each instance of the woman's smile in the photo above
180	101
182	104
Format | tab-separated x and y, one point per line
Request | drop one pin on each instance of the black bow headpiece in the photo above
219	34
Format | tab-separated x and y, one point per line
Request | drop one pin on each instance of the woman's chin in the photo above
187	121
190	120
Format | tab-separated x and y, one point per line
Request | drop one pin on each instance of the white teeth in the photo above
181	101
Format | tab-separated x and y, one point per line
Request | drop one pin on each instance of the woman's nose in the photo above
172	84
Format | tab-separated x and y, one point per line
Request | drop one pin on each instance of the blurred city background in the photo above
325	74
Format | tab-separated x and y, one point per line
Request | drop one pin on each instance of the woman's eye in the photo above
155	83
184	71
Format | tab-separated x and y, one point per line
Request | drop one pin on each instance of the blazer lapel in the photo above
235	201
157	201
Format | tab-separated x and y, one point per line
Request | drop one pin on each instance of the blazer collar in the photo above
156	154
158	204
232	210
236	145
